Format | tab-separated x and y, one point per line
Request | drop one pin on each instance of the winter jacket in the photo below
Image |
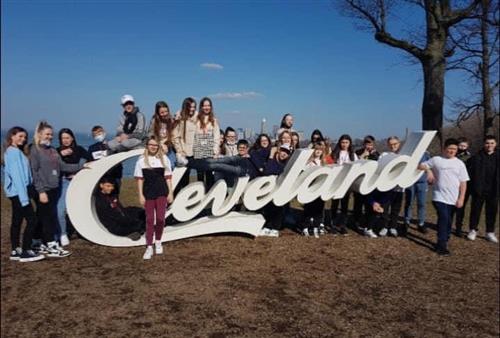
138	131
17	175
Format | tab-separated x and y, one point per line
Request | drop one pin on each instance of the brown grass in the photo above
234	286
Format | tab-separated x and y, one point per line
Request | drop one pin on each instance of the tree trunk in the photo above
485	71
432	107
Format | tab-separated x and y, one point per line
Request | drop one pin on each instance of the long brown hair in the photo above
157	121
14	131
211	117
186	108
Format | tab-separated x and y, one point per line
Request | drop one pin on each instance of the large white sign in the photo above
307	184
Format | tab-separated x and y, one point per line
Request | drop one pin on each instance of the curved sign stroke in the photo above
307	184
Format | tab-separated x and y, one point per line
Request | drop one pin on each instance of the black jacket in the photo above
484	170
118	220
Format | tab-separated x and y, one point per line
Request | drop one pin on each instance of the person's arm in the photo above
151	131
461	194
121	124
38	178
176	138
170	196
13	169
140	128
216	138
140	180
427	166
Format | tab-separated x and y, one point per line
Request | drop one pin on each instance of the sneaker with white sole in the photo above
490	237
64	240
471	236
370	233
393	232
322	229
274	233
55	251
383	232
158	248
265	232
316	232
30	256
305	232
149	252
15	254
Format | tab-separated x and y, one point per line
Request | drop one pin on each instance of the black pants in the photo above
476	204
18	214
377	220
206	177
359	201
341	220
313	211
46	213
274	216
460	212
392	209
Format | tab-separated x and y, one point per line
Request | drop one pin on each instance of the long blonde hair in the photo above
41	126
159	153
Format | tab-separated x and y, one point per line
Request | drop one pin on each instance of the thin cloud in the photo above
212	66
236	96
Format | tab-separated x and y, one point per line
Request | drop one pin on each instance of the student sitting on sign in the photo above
118	220
377	215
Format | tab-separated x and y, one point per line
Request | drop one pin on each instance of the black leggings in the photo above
47	217
18	214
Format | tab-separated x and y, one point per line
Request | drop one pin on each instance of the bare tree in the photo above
431	52
476	43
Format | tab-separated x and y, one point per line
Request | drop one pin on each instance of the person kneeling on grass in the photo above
450	177
118	220
377	203
154	183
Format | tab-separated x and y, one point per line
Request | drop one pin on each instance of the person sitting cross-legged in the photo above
120	221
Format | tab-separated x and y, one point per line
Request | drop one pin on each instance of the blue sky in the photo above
70	62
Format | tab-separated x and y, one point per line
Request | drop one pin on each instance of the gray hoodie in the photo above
46	166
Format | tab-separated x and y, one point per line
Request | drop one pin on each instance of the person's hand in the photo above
170	198
118	139
460	203
124	137
44	198
142	200
430	177
378	208
66	152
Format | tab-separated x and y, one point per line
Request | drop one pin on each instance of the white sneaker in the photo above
274	233
383	232
54	250
322	230
158	248
393	232
149	252
490	236
471	236
265	232
64	240
370	233
305	232
316	232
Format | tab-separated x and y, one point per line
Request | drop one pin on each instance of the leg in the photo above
491	213
61	207
475	211
443	213
16	222
29	215
344	206
421	194
150	219
358	207
395	209
160	208
409	194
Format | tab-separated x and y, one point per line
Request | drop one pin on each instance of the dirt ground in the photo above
236	286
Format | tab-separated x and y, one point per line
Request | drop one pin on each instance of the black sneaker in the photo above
422	229
30	256
458	232
343	230
15	254
443	251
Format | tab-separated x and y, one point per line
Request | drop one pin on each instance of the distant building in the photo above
301	135
263	126
275	131
240	134
248	133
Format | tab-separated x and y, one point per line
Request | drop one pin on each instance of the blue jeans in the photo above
418	191
445	217
61	208
172	158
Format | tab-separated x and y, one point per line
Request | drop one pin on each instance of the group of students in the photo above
192	137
